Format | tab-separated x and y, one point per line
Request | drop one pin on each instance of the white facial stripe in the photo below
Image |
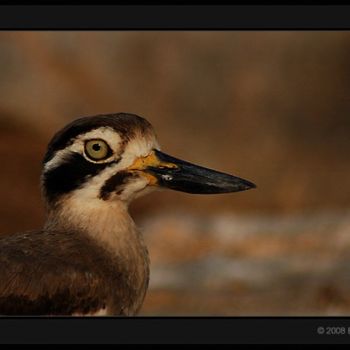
133	188
138	147
105	133
60	156
91	189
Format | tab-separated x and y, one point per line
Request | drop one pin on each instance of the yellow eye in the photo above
97	149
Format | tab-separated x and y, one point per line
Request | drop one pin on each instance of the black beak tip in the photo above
247	185
237	185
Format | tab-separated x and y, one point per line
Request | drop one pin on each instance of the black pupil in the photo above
96	147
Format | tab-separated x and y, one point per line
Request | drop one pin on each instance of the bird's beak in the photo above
166	171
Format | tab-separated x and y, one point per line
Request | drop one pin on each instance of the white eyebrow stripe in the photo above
60	155
105	133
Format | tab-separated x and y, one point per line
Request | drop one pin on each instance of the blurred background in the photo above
271	107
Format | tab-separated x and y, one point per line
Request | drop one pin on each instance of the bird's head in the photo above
116	157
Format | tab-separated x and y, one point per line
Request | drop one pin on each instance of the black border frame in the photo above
174	17
176	330
164	330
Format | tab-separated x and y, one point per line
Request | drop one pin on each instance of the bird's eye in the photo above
97	149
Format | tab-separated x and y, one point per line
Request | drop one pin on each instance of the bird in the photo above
89	258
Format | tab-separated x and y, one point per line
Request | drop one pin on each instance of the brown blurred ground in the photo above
272	107
249	264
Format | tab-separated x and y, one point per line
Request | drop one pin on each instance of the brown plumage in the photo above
69	268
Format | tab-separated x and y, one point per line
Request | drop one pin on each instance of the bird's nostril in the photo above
167	177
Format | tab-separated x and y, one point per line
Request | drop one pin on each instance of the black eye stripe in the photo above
70	175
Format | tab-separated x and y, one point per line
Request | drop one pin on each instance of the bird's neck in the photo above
111	226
